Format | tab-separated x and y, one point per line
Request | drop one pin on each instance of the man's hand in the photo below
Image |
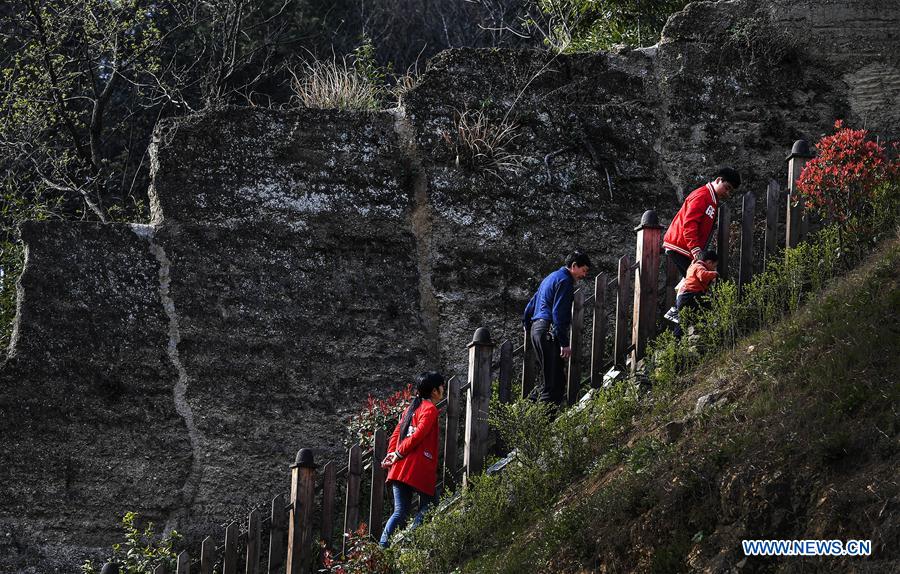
565	352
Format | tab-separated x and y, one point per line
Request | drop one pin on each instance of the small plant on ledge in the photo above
481	144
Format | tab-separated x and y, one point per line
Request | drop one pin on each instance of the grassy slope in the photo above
804	443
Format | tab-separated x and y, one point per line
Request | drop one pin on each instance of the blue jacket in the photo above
553	302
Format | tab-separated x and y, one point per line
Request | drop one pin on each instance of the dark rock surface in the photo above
299	260
88	416
587	170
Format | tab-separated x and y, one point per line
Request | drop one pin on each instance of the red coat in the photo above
418	451
690	230
698	278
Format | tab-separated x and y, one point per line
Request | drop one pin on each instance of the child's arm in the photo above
706	276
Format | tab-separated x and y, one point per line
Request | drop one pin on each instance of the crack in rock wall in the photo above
179	392
317	256
421	219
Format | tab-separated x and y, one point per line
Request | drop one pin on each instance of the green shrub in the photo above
142	552
523	425
590	25
668	356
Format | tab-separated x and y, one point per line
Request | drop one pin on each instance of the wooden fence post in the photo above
800	154
646	284
376	497
748	209
598	337
329	489
478	398
253	542
506	364
773	195
723	239
207	555
277	533
623	296
303	491
528	371
351	506
229	561
451	436
160	569
574	376
184	563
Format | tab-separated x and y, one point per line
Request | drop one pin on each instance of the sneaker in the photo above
672	315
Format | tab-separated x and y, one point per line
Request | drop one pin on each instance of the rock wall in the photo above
88	417
176	368
298	260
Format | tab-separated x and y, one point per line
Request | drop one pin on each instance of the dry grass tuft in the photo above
334	84
483	144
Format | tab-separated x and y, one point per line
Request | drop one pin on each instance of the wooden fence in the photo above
630	299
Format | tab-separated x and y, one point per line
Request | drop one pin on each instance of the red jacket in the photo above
698	278
693	224
418	451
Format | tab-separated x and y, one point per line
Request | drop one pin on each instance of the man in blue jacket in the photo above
547	317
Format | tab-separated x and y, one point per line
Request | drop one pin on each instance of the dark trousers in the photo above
681	261
686	300
546	349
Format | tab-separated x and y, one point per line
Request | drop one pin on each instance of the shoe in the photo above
672	315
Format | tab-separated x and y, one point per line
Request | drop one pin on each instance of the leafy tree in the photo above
84	82
65	62
588	25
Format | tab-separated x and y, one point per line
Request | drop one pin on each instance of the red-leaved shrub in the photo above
841	182
377	414
362	555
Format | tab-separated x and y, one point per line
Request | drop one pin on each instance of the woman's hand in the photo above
390	459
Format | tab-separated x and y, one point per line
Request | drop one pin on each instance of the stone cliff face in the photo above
299	260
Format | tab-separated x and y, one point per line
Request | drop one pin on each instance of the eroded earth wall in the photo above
298	260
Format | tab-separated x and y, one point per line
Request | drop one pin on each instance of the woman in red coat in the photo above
412	454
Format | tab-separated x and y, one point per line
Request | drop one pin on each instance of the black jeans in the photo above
681	261
546	349
686	300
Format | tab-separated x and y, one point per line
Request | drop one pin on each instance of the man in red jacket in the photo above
692	226
690	230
